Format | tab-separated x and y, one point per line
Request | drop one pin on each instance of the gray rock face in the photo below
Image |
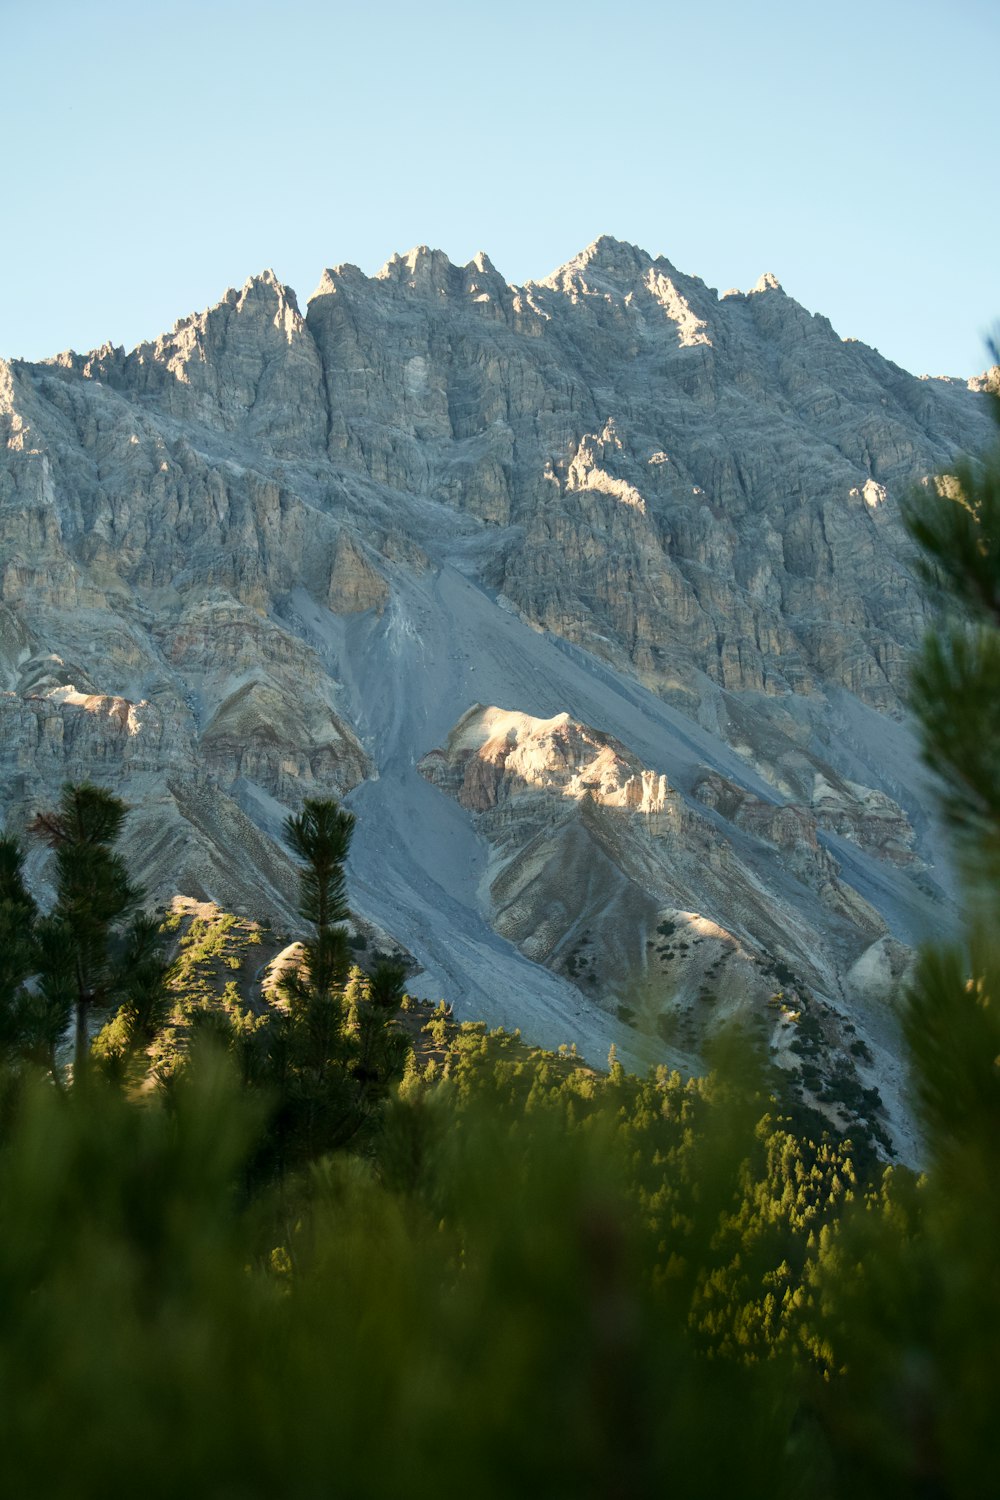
269	555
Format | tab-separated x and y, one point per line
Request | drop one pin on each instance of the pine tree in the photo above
321	836
956	682
18	914
333	1050
88	955
953	1022
909	1305
143	995
36	970
380	1048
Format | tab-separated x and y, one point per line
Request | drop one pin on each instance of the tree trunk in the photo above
81	1055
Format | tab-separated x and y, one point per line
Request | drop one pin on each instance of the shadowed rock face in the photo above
268	556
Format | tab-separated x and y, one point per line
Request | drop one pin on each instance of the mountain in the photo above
591	596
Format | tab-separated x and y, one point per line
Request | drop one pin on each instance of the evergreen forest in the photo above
313	1238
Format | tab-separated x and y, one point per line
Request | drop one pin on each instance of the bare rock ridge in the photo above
270	555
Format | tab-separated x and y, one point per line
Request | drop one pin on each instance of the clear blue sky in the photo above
160	152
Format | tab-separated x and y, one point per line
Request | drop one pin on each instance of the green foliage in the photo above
956	525
17	949
907	1296
324	1049
321	836
144	996
955	696
83	956
92	951
532	1239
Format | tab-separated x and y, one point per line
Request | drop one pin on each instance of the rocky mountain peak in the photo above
627	279
481	262
266	288
420	269
660	528
335	277
605	265
261	295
